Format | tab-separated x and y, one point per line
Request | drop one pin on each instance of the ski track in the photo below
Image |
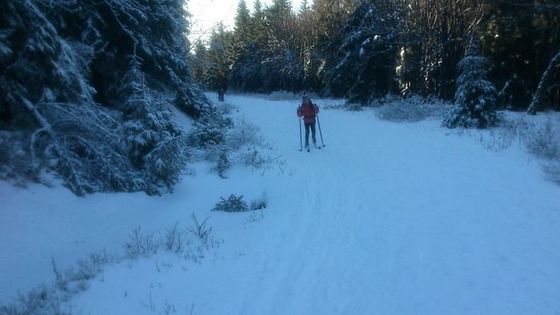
386	219
375	234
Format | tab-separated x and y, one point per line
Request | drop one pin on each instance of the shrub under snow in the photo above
232	204
187	242
544	141
410	109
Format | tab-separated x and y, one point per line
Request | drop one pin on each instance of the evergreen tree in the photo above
241	33
75	103
199	64
258	26
475	98
242	21
154	144
218	56
365	63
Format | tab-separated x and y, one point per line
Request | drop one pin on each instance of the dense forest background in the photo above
362	50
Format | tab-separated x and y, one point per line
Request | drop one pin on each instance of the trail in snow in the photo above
386	219
400	219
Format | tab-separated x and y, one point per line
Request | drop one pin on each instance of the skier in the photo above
221	92
308	111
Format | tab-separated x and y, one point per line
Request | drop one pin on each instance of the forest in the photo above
363	50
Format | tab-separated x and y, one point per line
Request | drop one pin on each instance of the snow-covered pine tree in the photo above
365	63
45	89
475	97
218	58
155	146
65	107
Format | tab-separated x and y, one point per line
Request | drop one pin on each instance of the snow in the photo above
388	218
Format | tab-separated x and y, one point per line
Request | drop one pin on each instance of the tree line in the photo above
365	49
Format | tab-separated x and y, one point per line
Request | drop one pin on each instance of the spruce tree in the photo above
200	64
219	59
80	107
363	65
475	98
241	32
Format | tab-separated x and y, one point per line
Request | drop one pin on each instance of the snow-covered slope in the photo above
386	219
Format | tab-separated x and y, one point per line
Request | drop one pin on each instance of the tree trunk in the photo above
538	98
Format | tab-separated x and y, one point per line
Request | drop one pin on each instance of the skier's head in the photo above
305	98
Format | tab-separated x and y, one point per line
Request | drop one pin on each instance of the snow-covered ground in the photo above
388	218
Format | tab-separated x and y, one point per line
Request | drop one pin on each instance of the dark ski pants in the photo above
307	127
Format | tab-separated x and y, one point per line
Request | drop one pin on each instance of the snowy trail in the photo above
401	219
387	219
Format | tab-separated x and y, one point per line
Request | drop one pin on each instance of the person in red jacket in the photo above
308	111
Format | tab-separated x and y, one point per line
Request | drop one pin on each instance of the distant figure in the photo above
221	92
308	111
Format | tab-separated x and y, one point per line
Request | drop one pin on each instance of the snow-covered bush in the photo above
232	204
210	129
353	107
410	109
49	300
140	245
544	141
285	95
259	203
53	299
208	140
540	137
504	135
174	239
243	134
42	300
201	230
223	164
15	160
226	140
247	145
252	157
475	98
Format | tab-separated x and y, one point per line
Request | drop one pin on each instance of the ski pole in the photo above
300	139
320	132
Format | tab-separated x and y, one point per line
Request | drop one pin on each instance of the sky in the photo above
205	14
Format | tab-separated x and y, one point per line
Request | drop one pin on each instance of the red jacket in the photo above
308	112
